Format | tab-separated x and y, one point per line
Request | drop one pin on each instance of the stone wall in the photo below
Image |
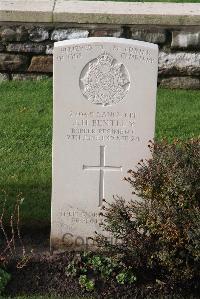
26	48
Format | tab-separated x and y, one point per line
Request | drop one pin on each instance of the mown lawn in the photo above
26	133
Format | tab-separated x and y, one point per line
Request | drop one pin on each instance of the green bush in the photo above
160	232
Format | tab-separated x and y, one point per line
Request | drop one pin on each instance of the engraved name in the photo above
102	126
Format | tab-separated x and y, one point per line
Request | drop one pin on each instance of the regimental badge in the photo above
104	81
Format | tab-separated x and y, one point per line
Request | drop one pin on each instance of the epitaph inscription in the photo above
104	117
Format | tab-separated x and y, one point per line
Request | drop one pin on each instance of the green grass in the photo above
26	133
25	149
178	114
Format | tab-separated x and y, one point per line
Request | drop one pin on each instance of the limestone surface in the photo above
14	33
156	36
43	64
180	83
99	32
2	47
104	117
101	12
26	11
12	62
185	40
24	77
26	47
110	12
3	77
38	34
62	34
49	49
183	63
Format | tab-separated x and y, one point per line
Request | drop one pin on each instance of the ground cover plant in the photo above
26	134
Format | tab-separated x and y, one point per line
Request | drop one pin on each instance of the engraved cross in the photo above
102	167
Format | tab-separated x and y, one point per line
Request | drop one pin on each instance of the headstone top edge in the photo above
108	40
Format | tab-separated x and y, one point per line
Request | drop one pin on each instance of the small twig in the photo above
10	248
2	227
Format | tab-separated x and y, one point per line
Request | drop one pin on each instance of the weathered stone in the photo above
179	63
152	36
2	47
62	34
109	12
26	11
106	32
41	64
21	33
12	62
26	48
112	12
104	99
3	77
38	34
185	40
12	34
180	83
23	77
7	34
49	49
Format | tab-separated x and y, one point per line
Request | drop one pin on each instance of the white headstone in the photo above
103	118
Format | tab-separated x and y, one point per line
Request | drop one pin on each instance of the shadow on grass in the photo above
35	206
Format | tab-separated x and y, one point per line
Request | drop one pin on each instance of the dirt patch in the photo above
46	274
43	274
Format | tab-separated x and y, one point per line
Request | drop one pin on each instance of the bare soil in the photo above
45	274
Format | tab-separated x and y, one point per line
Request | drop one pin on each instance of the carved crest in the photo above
104	81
